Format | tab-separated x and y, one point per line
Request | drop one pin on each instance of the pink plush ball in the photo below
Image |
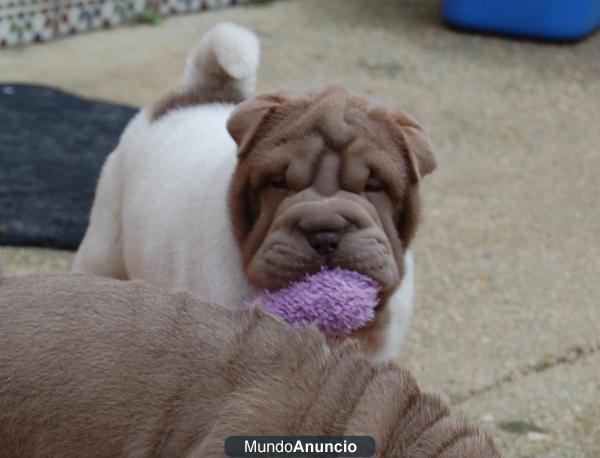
337	301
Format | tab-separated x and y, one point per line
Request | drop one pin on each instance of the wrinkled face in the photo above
326	179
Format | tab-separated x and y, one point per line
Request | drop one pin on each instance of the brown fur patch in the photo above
194	97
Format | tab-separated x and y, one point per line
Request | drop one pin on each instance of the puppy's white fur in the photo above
160	211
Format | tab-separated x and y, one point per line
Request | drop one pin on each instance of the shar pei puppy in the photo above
97	367
219	192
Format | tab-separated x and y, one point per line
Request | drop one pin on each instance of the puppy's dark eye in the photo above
278	183
374	185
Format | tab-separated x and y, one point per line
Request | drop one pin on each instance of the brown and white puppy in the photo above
221	199
97	367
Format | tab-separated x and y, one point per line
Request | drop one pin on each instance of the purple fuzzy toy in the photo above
337	301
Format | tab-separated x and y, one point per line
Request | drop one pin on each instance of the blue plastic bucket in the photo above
542	19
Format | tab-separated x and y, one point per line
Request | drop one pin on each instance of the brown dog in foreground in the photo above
98	367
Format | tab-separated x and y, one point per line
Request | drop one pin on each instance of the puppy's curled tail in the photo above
224	62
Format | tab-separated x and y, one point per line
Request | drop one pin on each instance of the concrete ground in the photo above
508	309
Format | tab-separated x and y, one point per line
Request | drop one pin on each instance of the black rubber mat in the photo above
52	147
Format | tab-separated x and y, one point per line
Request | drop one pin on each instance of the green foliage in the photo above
148	16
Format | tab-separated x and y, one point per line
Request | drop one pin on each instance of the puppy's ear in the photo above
421	157
420	152
250	117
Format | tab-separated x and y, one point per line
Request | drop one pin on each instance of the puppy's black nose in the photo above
324	242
